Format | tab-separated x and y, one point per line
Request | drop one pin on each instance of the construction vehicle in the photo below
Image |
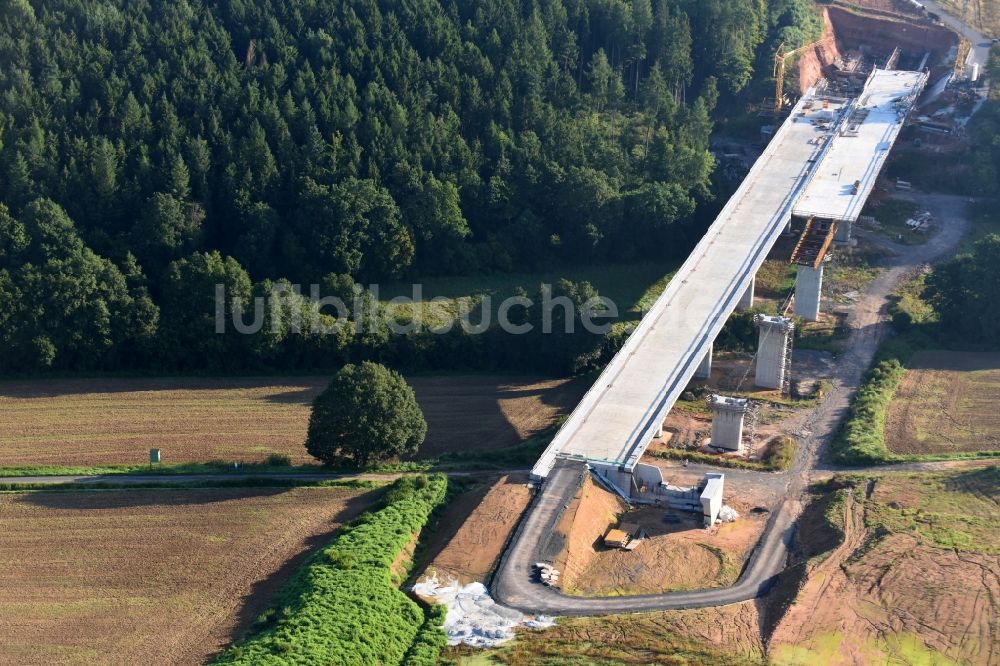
780	59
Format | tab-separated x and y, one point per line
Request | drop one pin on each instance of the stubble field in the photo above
116	421
151	577
946	403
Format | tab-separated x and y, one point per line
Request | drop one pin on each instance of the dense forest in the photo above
149	151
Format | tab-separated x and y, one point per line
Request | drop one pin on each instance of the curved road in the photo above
514	585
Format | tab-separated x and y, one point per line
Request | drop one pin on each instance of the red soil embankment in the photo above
884	34
816	59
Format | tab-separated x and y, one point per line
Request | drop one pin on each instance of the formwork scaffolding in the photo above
814	242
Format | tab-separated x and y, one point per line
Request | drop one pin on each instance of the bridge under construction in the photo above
821	165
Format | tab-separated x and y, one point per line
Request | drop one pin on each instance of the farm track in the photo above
146	480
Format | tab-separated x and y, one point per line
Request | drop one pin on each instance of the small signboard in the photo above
154	456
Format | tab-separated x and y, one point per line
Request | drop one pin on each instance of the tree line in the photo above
151	150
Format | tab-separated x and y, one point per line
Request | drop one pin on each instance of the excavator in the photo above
780	58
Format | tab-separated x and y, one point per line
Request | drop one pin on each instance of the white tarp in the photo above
728	514
473	617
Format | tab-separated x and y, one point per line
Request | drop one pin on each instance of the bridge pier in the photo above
727	421
808	291
746	301
704	370
774	351
843	233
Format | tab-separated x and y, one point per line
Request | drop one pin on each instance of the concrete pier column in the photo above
843	233
746	301
704	370
808	291
773	350
727	421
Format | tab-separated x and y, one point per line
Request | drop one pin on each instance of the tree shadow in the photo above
475	413
303	396
982	482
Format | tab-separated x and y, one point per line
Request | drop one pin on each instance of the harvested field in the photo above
678	553
475	528
151	577
946	403
915	579
116	421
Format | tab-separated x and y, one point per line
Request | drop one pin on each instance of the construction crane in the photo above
779	72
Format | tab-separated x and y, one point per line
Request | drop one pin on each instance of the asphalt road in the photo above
174	479
980	42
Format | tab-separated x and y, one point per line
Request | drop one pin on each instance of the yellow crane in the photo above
779	72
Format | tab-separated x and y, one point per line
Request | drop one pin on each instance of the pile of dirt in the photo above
484	518
583	526
676	552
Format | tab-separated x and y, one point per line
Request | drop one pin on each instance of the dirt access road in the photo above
869	325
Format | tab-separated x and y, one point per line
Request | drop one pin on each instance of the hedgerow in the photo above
862	439
431	639
342	606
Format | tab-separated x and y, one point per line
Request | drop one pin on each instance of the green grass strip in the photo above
343	607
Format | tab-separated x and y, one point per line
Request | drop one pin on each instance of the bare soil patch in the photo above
475	528
116	421
677	554
581	528
151	576
946	403
895	589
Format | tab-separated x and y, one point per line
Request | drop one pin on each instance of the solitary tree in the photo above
367	413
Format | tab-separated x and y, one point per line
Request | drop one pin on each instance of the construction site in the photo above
838	145
608	519
653	495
